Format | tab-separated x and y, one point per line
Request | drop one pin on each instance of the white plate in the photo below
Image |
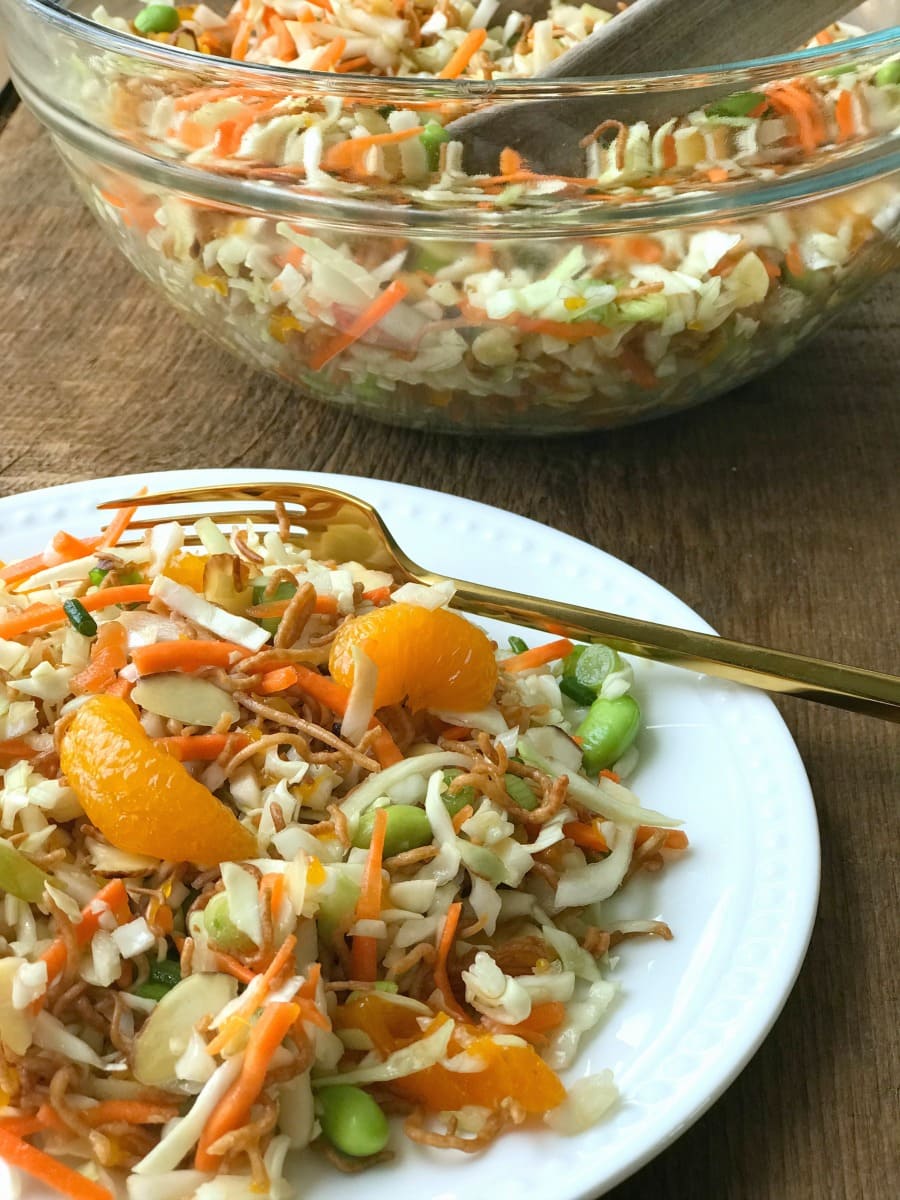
741	903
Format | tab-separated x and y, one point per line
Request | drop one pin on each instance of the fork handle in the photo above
870	692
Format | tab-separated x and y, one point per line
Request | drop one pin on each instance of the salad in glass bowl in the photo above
294	178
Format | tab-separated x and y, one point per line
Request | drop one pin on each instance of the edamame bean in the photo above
519	791
221	930
352	1121
157	18
888	73
608	730
407	827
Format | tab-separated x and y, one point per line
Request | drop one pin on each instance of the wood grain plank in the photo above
773	511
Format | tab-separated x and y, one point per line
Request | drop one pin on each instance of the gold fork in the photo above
338	526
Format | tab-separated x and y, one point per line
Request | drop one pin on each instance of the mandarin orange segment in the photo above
431	659
141	798
516	1071
187	569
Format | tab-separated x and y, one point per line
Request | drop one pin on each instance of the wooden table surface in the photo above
772	511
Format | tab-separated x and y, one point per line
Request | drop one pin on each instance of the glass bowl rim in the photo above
408	87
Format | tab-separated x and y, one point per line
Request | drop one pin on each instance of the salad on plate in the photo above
287	850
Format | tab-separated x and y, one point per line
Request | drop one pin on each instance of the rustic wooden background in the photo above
773	511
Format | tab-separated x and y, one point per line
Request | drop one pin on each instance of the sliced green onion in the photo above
432	138
741	104
97	574
517	645
577	691
519	791
455	801
284	591
79	618
162	978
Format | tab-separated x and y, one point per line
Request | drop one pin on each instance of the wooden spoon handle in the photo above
651	36
667	35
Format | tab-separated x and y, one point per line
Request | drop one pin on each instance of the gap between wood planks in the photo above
9	102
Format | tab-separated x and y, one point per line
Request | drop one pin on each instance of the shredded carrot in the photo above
310	986
36	616
185	655
325	604
285	48
717	175
385	748
241	43
194	100
461	817
538	656
18	1153
379	595
50	1119
349	65
231	966
21	1126
112	534
63	548
462	56
364	953
281	958
335	697
23	568
791	100
364	958
445	945
456	732
113	898
277	681
306	1000
843	114
234	1108
675	839
510	161
127	1112
202	747
368	907
15	750
347	154
793	260
587	835
329	55
109	654
637	367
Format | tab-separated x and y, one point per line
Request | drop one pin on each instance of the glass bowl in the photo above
676	261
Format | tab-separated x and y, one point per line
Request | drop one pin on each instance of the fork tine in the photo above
265	515
325	510
306	494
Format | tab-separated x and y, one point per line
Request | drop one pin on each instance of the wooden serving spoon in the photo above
650	37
